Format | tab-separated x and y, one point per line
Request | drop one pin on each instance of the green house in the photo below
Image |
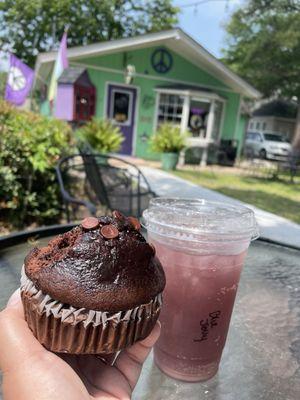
143	81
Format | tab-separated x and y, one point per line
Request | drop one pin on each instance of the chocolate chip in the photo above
109	231
153	248
90	223
118	215
135	223
105	220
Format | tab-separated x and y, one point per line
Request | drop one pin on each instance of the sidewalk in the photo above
271	226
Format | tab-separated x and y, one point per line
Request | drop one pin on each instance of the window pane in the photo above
121	102
170	108
198	117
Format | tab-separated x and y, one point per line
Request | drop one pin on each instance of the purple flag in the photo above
19	81
63	49
61	63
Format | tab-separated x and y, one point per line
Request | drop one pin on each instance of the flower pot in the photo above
169	161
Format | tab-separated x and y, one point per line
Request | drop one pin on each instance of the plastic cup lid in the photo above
199	220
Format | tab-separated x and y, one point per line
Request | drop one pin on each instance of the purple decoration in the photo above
198	111
19	81
64	105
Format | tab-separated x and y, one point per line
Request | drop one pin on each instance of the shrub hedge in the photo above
30	145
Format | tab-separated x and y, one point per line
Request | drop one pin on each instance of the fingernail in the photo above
14	298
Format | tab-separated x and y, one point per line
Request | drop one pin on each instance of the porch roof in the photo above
188	88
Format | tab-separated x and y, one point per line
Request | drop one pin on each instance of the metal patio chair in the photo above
97	181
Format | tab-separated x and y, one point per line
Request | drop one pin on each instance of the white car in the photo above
267	145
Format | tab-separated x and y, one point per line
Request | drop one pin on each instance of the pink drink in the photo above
202	274
200	293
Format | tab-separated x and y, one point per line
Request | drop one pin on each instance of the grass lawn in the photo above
277	196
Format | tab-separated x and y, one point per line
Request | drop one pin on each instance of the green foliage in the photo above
35	26
102	135
168	139
263	46
30	146
3	79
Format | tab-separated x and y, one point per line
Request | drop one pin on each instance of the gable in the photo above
144	61
175	40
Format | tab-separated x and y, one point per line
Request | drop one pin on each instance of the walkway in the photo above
271	226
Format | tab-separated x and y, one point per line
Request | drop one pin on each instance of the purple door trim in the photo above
127	129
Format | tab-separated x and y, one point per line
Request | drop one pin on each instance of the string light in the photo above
197	3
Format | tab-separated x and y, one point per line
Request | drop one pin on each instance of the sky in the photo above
205	22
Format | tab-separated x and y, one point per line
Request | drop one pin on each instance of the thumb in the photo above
16	339
15	301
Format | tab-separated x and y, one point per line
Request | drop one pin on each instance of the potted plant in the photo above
101	135
169	141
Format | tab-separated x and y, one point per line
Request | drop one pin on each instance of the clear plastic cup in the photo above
202	246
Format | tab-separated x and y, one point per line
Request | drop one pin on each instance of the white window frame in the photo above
157	113
195	95
128	122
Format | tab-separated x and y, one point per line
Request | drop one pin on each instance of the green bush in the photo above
30	146
168	139
101	135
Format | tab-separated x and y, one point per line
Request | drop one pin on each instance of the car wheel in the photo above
263	154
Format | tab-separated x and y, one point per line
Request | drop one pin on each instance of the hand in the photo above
31	372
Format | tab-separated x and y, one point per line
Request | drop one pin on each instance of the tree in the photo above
28	27
263	46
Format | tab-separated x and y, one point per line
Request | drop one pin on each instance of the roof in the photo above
277	108
71	74
175	39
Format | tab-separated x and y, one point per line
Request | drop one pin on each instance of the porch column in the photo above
184	125
210	124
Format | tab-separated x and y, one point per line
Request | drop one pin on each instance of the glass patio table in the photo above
261	359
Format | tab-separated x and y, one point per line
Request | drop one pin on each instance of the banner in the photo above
61	63
19	81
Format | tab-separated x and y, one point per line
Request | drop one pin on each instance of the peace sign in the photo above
161	60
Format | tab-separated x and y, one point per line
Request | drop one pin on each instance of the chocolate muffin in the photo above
95	289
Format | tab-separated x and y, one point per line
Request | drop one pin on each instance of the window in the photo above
198	117
264	125
192	112
257	125
257	137
121	102
273	137
251	125
170	108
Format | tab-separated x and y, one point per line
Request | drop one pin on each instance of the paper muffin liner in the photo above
65	329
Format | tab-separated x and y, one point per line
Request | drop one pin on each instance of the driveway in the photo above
271	226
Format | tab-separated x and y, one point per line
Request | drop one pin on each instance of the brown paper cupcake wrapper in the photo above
65	329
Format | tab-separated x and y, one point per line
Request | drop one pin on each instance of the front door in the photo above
121	104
